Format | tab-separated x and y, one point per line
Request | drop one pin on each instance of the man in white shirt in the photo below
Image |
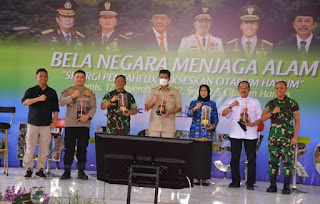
304	43
249	45
201	44
245	113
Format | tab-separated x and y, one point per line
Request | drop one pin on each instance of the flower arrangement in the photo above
17	196
74	197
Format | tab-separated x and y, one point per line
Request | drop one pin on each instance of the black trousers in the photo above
250	148
76	136
203	160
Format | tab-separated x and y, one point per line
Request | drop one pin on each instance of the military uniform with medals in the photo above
249	46
58	42
263	48
201	46
57	38
113	41
192	46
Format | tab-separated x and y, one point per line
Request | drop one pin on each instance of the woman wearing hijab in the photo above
202	130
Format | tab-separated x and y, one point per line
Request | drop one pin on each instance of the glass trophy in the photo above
162	107
123	105
82	107
37	194
244	117
205	116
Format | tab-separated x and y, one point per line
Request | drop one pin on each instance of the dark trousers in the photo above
203	160
250	148
76	136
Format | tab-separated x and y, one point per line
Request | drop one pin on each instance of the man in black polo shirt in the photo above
42	101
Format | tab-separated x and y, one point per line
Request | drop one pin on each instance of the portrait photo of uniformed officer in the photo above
159	40
304	43
108	38
202	43
63	38
249	45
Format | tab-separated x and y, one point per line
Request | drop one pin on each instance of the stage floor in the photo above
217	193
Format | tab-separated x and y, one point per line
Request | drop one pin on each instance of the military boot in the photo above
273	187
286	185
67	172
81	174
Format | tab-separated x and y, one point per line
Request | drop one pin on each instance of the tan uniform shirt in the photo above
89	106
173	100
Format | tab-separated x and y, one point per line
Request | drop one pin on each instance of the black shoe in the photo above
41	174
205	183
28	174
196	182
286	185
250	187
66	175
286	190
82	175
272	189
234	185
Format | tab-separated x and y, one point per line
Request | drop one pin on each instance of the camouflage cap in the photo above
250	13
108	8
65	7
203	12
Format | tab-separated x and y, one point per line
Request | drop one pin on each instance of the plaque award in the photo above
205	116
123	106
162	107
82	107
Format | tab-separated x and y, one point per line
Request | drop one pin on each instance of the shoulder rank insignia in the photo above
80	34
47	31
123	36
267	42
232	41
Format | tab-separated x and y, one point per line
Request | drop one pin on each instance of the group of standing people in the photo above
245	114
164	102
284	113
81	108
159	40
42	101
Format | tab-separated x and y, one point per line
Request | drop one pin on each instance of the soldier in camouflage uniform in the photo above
63	38
282	111
118	119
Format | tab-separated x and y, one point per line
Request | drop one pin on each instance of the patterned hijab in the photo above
207	98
